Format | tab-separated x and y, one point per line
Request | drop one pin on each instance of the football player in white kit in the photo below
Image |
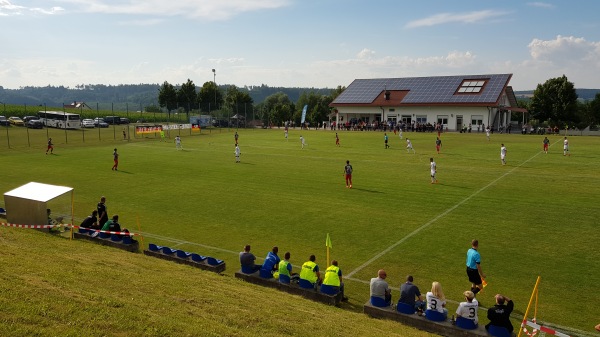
503	154
433	168
566	147
409	146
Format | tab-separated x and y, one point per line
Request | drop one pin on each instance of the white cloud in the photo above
206	9
7	8
541	5
564	50
443	18
365	54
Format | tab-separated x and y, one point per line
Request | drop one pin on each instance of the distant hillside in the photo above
131	96
584	94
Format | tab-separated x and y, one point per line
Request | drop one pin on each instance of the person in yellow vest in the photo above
310	271
333	279
285	270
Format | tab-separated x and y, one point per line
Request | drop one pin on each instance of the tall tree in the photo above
210	97
237	101
594	110
279	108
186	95
167	96
555	101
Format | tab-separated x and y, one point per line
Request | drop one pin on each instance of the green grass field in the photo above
537	215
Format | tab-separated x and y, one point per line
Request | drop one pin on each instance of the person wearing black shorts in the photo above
474	271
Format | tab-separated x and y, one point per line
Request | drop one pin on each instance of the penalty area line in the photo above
439	216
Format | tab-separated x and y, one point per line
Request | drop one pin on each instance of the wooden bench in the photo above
173	257
291	288
132	247
420	322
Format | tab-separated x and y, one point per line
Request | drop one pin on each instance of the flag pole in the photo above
328	245
533	294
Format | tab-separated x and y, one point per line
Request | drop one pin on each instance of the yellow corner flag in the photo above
328	245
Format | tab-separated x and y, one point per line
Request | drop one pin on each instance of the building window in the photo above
477	120
392	110
442	119
471	86
421	119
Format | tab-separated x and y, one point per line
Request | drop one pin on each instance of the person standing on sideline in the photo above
237	153
409	146
348	174
102	213
380	288
566	147
162	135
285	132
433	168
503	154
385	140
474	271
546	143
51	146
236	136
178	143
438	145
400	132
115	160
487	132
499	314
337	139
124	135
302	142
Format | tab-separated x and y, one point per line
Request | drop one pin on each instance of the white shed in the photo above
27	204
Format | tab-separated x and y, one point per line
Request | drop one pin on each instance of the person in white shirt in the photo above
566	147
487	133
469	308
178	143
237	153
503	154
436	300
409	146
302	141
433	168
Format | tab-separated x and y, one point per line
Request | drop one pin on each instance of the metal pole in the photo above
98	113
46	121
7	139
65	123
112	112
81	113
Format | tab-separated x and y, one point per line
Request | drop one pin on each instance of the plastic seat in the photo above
198	258
168	251
284	279
213	262
183	254
379	302
434	315
248	270
128	240
405	308
465	323
103	235
2	210
305	284
329	290
116	237
498	331
154	248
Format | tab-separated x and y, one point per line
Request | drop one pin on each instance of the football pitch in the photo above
535	216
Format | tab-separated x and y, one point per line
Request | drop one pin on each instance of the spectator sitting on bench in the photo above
285	269
436	300
247	261
112	225
499	314
310	272
333	279
90	221
380	288
410	294
469	308
271	263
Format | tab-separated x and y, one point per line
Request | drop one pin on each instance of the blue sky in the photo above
294	43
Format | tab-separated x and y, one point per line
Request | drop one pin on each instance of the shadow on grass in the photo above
365	190
126	172
245	163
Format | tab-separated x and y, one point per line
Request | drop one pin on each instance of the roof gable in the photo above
425	90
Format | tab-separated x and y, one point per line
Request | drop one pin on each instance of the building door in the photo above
459	122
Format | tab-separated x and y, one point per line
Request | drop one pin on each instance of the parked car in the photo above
124	120
88	123
34	124
4	121
99	122
16	121
112	119
28	118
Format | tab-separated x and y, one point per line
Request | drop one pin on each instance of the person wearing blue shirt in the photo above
474	271
271	263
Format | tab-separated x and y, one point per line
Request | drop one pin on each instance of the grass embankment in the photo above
51	286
